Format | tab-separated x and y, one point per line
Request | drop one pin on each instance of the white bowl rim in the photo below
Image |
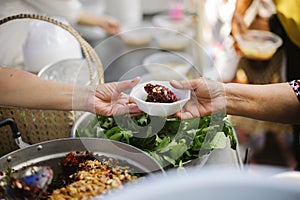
276	44
182	55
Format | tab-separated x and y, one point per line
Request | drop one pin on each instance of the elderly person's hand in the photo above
277	102
207	97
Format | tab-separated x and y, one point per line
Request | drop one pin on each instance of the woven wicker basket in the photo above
42	125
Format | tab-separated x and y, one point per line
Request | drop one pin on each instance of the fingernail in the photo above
175	82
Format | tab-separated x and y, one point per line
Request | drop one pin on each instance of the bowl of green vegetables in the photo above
171	142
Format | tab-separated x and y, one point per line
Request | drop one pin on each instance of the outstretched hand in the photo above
207	97
109	99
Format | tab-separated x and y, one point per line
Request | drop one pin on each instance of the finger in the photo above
134	109
128	84
184	115
125	110
190	84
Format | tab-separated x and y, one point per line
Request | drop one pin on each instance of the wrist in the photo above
82	99
234	101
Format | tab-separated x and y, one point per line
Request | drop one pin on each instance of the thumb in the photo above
128	84
187	84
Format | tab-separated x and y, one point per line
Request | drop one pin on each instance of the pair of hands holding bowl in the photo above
197	97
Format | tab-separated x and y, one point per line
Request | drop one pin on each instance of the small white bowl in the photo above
259	45
159	109
137	36
168	65
171	40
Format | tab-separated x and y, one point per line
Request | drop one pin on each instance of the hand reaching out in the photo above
207	97
109	99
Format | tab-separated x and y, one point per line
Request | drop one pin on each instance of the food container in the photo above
73	71
47	43
159	109
90	125
259	45
50	153
168	65
169	39
137	36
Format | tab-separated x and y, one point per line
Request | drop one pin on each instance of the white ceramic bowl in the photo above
259	45
137	36
159	109
173	40
168	65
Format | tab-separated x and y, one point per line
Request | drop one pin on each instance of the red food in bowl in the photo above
160	94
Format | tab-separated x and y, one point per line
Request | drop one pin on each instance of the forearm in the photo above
86	18
242	6
273	102
23	89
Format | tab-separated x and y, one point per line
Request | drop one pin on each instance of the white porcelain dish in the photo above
137	35
168	65
173	40
159	109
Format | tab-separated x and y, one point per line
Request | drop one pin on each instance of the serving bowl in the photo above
169	39
159	109
259	45
168	65
137	36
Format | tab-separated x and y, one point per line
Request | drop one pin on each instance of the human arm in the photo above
270	102
108	23
73	12
23	89
238	25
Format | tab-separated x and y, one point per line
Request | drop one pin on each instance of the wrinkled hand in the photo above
110	25
207	97
109	99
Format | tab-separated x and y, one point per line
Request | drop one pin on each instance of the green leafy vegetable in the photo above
170	141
